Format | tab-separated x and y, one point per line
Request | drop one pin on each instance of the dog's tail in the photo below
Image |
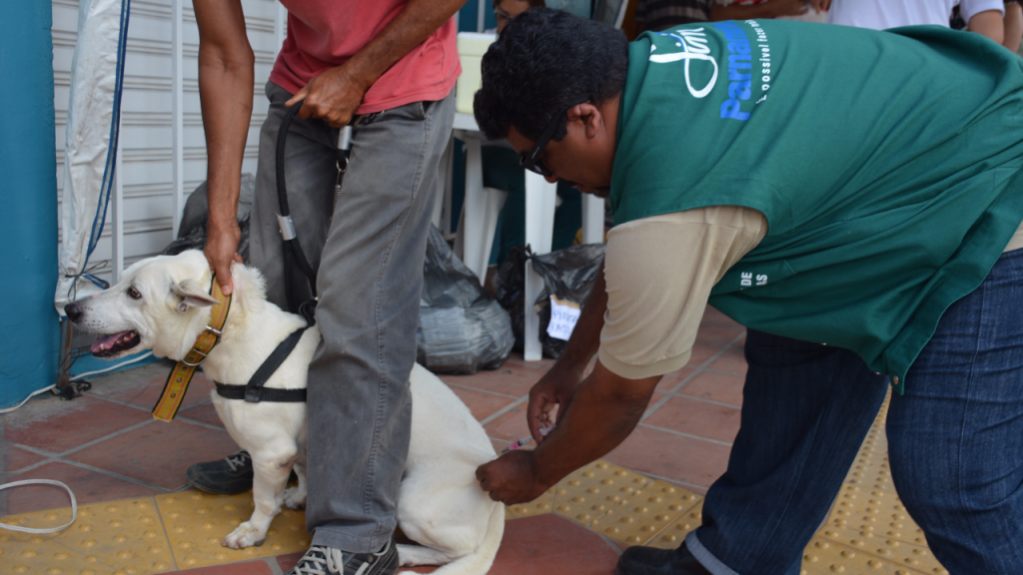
479	563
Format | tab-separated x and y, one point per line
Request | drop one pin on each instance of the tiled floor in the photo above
107	447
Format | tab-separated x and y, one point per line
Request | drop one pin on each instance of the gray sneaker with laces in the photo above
319	560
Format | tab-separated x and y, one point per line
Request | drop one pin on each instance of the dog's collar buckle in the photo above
179	378
197	361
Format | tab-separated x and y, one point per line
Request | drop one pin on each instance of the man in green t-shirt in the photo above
854	198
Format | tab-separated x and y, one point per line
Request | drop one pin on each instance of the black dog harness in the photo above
253	391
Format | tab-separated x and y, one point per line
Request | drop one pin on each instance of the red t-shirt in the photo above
323	34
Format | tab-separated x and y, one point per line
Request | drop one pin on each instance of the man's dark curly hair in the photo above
545	61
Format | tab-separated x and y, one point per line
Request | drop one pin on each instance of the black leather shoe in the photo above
227	476
653	561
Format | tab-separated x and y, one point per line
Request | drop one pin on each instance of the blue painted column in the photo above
29	325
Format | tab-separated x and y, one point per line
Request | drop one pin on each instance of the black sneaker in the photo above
227	476
328	560
652	561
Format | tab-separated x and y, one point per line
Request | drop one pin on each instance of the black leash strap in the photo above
294	257
254	392
293	254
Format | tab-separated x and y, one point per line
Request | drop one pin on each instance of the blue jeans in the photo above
955	441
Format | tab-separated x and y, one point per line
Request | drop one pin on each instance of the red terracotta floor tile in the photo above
482	404
146	395
671	380
87	485
732	361
204	412
698	418
516	357
288	561
715	386
158	453
713	317
672	456
71	423
551	544
243	568
16	458
719	335
701	353
512	379
511	426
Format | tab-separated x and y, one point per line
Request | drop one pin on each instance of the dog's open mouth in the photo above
108	345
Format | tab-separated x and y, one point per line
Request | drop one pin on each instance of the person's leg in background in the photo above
369	283
956	436
806	410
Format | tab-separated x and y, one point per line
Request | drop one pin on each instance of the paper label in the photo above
564	315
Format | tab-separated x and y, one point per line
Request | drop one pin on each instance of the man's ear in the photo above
591	117
192	295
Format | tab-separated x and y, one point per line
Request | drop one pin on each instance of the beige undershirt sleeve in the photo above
659	273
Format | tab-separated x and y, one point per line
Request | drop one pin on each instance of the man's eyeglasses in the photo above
501	16
531	160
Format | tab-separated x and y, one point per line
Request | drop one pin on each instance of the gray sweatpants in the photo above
369	250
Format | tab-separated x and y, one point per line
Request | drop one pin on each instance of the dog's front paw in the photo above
246	535
294	498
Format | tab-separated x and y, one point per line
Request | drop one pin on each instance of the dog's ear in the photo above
192	295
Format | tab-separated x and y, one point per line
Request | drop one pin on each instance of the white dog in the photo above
161	303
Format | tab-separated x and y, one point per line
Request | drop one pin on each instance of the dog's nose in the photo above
73	311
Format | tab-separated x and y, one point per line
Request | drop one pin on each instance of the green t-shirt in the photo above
887	165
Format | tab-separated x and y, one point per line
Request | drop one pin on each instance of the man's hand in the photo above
333	96
511	479
221	250
555	389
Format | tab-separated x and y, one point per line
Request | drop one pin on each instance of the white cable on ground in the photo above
30	396
74	505
106	369
79	376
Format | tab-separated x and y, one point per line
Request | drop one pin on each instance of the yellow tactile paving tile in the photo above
673	535
118	537
868	531
885	549
197	522
650	511
823	556
593	490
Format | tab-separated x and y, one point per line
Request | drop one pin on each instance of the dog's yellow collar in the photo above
177	382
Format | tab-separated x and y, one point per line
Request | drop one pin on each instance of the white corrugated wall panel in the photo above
147	125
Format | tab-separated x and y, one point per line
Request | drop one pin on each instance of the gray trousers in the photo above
369	250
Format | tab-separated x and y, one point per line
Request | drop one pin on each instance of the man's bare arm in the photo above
225	91
988	23
771	9
604	411
335	94
556	387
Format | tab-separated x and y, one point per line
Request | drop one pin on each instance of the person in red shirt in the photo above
390	66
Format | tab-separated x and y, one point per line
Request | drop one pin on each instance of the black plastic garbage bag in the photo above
510	289
568	274
194	218
461	330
